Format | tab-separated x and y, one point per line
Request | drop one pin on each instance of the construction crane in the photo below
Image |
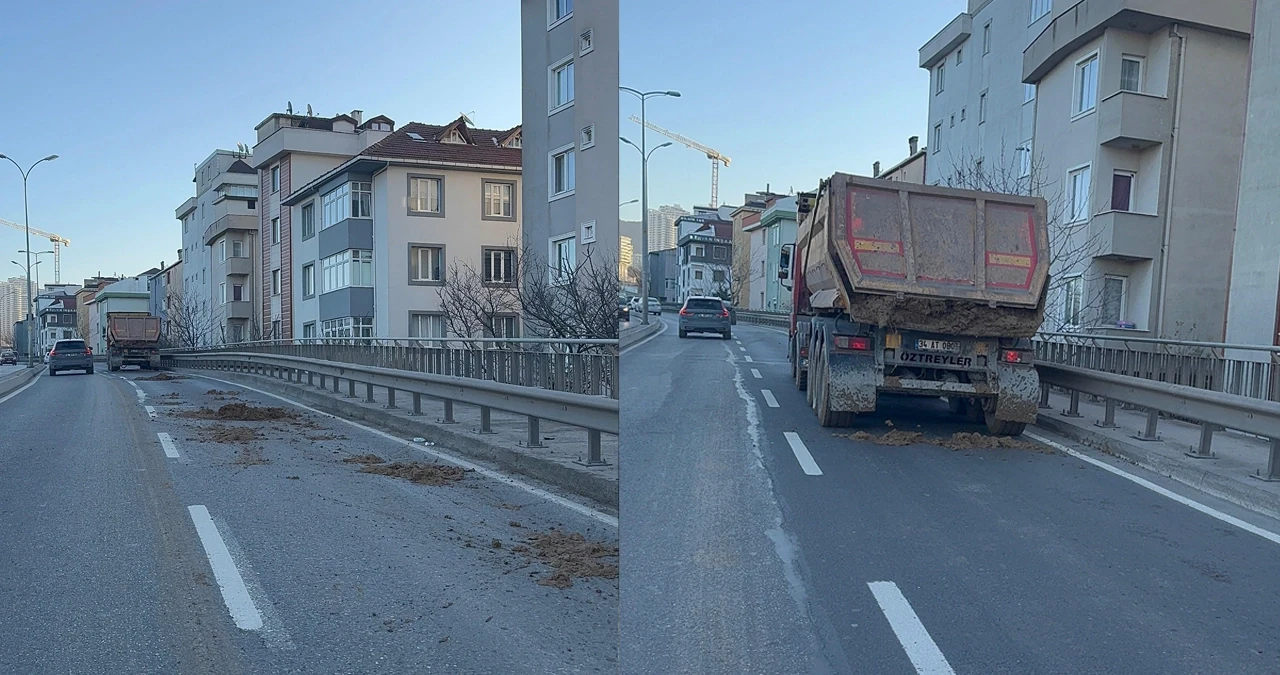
58	242
716	157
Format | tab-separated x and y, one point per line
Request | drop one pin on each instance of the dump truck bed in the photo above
133	328
927	258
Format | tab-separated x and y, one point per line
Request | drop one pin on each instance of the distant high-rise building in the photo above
625	253
662	226
13	303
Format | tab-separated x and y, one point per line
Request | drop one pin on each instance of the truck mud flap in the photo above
1018	393
854	378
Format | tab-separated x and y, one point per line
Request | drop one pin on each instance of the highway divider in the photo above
15	381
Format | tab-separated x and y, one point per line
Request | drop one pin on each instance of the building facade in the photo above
569	60
57	320
13	301
662	226
913	169
664	275
778	225
706	256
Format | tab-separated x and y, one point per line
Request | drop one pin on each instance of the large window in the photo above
426	195
308	220
1086	93
562	84
558	9
563	258
499	265
1113	292
499	199
937	137
426	264
237	248
563	177
1078	195
349	268
275	282
308	280
275	178
309	329
1028	93
1131	73
349	200
504	326
1073	297
1039	8
426	325
358	326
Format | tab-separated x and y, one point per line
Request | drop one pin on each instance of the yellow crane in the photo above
58	242
717	158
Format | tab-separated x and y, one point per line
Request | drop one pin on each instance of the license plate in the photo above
938	346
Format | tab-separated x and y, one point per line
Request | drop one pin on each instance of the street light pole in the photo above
644	96
26	218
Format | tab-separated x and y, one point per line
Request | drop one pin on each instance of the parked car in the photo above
624	310
705	314
70	355
655	306
8	357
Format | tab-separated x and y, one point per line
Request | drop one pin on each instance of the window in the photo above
1122	184
275	282
425	324
275	178
1024	160
426	195
937	137
499	265
588	235
1073	295
939	77
251	204
308	280
277	329
699	251
360	326
222	250
499	199
309	329
697	274
426	264
953	120
564	258
720	252
588	136
960	56
237	248
1086	94
717	276
1028	93
308	220
1039	8
982	107
559	10
237	292
1131	73
1078	195
562	172
275	230
349	268
455	136
561	84
585	43
986	38
1113	305
962	114
349	200
222	290
504	326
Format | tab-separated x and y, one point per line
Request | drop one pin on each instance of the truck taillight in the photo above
1014	356
854	342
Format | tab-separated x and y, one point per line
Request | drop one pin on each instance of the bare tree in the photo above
473	304
82	325
189	322
6	336
745	270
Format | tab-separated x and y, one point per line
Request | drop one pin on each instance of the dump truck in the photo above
914	289
133	339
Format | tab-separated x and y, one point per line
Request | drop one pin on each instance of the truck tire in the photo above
1004	427
822	402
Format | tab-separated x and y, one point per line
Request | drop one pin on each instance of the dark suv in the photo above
702	314
70	355
8	357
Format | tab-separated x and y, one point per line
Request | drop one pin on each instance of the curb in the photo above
631	336
590	486
1215	484
15	382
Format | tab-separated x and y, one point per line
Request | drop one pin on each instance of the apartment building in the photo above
13	302
913	169
166	292
626	256
378	235
293	150
1253	306
662	226
706	256
219	230
1140	113
569	55
56	319
664	275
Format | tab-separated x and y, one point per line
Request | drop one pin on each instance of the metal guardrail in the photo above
771	319
596	414
576	366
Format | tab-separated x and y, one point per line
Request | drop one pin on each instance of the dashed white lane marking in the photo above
234	592
801	452
151	412
611	521
756	374
915	639
1185	501
166	442
142	395
742	349
768	398
747	359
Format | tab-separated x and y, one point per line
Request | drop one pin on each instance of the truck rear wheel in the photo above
1004	427
820	394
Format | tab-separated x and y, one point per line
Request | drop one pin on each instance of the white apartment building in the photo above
662	226
376	237
706	255
13	303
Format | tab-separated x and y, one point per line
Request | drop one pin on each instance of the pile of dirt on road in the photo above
172	394
961	440
242	412
572	556
162	377
250	456
222	392
895	437
364	459
229	435
418	472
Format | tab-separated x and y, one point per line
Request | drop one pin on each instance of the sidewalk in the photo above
556	464
1227	475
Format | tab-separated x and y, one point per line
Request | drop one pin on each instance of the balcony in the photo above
1131	121
946	40
1125	236
231	221
239	309
241	267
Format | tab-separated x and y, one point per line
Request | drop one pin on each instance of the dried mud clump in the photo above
230	435
961	440
250	457
162	377
418	472
364	459
242	412
572	556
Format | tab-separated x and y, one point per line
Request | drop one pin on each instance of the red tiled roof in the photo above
486	147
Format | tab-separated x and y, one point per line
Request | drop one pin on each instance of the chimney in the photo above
875	170
914	142
359	115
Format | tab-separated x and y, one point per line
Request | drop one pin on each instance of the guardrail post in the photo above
486	419
593	450
1149	434
351	388
417	404
391	398
1044	397
311	379
1273	464
1205	449
1074	409
448	413
368	392
1109	420
535	434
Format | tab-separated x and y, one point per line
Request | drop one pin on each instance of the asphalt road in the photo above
905	559
266	555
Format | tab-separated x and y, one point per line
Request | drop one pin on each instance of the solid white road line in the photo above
234	592
801	452
768	398
166	442
635	346
151	412
23	388
920	648
756	374
747	359
611	521
1185	501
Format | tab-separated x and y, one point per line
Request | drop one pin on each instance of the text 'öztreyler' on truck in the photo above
915	289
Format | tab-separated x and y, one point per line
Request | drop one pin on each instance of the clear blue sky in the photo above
131	99
791	92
